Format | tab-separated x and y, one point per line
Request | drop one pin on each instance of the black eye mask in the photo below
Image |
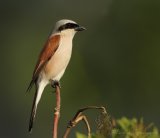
68	26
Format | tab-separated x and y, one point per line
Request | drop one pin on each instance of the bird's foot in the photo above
55	83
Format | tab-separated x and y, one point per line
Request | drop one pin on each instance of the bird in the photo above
53	60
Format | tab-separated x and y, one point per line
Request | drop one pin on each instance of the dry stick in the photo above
56	111
73	124
78	117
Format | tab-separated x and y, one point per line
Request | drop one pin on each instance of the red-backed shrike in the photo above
53	60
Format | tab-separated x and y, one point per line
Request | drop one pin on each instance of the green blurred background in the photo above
115	63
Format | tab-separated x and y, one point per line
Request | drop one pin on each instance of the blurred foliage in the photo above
80	135
128	128
134	128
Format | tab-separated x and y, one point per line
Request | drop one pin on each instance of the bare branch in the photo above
80	117
56	111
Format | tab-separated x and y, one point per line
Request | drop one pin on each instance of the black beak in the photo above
80	28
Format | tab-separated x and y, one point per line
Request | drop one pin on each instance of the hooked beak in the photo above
80	28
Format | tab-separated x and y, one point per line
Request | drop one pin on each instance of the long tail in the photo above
37	97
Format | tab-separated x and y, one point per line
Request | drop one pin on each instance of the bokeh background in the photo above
115	63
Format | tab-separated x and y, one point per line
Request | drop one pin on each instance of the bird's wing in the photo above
47	52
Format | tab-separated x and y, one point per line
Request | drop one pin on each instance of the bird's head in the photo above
66	26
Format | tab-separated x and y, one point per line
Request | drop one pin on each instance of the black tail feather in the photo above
32	117
33	112
30	86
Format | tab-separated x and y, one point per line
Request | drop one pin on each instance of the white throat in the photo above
68	33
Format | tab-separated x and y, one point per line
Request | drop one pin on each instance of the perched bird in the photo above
53	60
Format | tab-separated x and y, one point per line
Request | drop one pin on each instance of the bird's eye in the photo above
61	28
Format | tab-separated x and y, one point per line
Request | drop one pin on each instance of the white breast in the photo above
56	66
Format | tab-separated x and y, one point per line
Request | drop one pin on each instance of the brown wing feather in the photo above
47	52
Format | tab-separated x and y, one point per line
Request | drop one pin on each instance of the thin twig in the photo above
87	124
56	111
80	117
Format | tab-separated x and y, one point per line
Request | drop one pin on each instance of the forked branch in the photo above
80	117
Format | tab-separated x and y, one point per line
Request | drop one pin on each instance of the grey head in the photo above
65	24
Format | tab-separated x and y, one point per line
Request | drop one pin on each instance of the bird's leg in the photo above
56	85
